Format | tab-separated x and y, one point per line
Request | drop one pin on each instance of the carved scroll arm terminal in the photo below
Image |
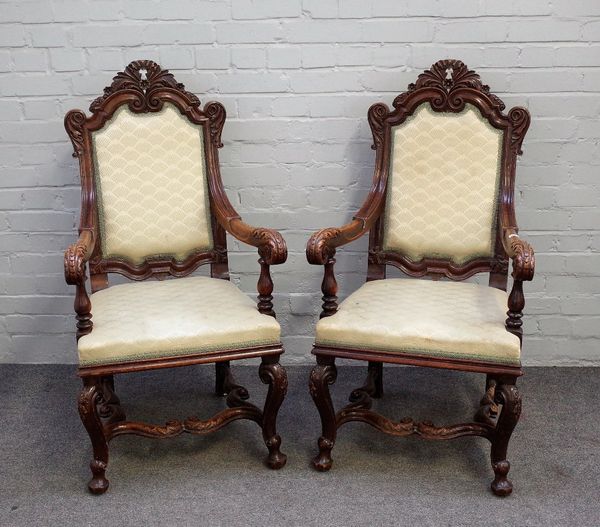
269	242
322	244
521	253
76	256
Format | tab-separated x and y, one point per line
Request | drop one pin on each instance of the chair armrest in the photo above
269	242
322	244
271	249
320	250
76	257
521	253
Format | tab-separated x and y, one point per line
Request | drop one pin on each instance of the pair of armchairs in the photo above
441	205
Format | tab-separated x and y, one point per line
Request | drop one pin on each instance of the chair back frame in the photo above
144	87
447	87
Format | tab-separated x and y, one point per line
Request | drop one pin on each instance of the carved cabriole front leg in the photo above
509	397
89	399
273	374
321	376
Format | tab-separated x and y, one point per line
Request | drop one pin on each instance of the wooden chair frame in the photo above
447	87
144	87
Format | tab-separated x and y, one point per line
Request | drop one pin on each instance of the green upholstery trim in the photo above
417	351
175	353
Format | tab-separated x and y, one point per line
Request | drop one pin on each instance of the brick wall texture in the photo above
297	78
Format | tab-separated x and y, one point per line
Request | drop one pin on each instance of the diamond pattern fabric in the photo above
151	185
434	319
444	179
183	316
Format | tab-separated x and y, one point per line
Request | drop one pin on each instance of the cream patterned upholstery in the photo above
435	319
150	320
444	180
152	189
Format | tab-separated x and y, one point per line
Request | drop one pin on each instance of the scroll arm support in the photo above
76	258
320	250
272	250
523	258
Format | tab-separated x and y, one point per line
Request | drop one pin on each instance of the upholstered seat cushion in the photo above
184	316
437	319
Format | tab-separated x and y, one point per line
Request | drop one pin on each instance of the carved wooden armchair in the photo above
441	205
153	206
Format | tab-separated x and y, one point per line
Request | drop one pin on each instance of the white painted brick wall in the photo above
297	77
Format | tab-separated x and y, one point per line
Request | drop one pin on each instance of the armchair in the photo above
441	206
153	206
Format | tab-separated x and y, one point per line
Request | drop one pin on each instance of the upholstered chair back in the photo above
443	185
151	186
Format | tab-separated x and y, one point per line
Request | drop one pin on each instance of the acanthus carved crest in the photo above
142	77
449	75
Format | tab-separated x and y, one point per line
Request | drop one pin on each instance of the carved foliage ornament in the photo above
524	258
143	77
321	245
74	263
448	76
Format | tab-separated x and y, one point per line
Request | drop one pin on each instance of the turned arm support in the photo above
272	251
523	258
321	248
76	257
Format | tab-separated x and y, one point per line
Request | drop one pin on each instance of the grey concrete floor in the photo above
221	479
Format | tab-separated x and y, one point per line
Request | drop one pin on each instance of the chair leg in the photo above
89	398
488	409
378	369
273	374
321	376
509	397
221	371
110	408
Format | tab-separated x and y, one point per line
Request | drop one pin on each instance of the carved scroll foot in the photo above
373	386
501	486
90	398
508	396
488	409
273	374
237	395
323	461
98	484
110	407
321	376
